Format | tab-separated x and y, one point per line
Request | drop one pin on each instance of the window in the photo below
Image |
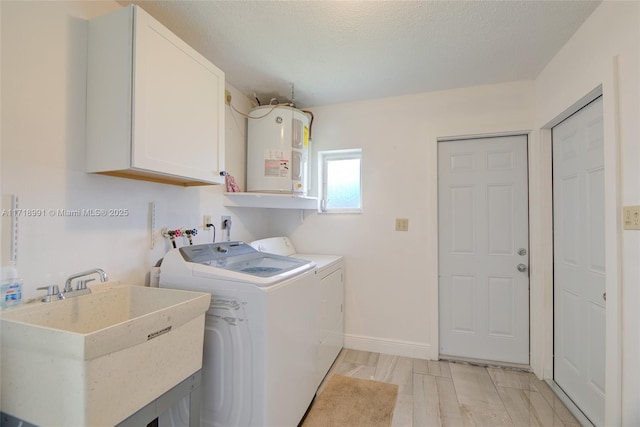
340	181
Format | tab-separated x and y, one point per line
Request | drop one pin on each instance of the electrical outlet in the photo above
206	219
223	219
402	224
227	97
631	217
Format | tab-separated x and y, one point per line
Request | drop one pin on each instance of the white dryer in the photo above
259	346
330	308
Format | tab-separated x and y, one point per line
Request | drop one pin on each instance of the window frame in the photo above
326	156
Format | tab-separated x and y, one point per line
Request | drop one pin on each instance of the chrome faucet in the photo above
81	288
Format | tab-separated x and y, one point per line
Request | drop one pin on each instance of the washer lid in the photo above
265	266
241	258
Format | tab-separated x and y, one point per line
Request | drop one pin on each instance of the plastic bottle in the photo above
11	287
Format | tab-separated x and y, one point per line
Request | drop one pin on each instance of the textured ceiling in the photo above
338	51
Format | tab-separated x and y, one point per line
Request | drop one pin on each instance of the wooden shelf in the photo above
269	200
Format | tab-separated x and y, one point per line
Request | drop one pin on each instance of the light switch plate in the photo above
631	217
402	224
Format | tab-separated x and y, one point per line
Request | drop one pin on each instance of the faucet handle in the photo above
82	284
52	291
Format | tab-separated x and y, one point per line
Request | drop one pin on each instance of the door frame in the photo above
542	340
433	304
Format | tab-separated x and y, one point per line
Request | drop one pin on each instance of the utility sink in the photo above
98	358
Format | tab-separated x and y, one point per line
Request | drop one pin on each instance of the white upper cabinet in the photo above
155	106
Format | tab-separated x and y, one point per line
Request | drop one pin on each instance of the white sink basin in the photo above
98	358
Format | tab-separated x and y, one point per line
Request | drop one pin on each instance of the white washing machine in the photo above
330	308
259	346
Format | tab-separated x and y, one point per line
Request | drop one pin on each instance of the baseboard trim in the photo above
393	347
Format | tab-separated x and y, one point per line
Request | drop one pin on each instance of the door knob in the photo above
522	268
522	251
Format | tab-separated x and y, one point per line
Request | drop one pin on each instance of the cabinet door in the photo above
178	124
330	321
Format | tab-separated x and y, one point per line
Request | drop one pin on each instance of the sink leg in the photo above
191	386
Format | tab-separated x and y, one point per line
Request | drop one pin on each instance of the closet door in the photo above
579	259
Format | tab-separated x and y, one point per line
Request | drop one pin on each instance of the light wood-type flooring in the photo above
438	393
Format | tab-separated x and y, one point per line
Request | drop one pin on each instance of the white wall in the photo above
43	134
604	51
391	277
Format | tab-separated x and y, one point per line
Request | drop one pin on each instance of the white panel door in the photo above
579	273
483	237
